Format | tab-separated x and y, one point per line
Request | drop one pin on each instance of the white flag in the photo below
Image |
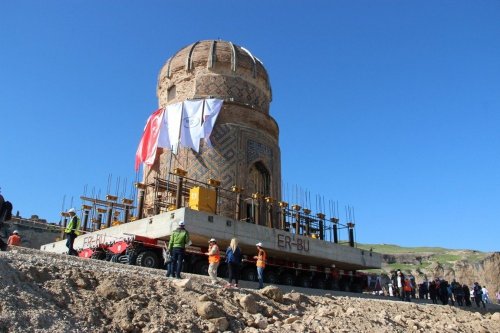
212	109
191	127
163	139
173	116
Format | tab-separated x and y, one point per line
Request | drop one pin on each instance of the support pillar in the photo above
141	188
86	211
283	205
297	208
109	216
100	215
335	221
178	194
127	214
351	234
321	217
269	210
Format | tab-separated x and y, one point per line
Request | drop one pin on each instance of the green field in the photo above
395	249
445	257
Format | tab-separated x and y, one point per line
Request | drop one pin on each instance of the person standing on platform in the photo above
72	231
213	259
261	264
233	260
177	247
14	239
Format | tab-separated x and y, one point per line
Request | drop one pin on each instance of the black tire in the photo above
148	259
114	257
304	281
319	283
123	259
98	255
271	277
288	279
249	274
132	257
331	284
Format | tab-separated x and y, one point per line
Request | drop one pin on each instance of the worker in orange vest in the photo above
213	259
407	289
14	239
261	264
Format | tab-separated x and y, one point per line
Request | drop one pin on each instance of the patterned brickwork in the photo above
259	151
232	87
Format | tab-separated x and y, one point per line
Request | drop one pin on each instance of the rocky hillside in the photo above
44	292
466	266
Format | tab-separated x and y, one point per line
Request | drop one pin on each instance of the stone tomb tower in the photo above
245	149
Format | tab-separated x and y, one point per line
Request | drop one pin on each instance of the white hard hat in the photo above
15	232
212	240
71	210
258	244
181	223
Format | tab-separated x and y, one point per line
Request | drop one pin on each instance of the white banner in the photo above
212	109
191	127
172	128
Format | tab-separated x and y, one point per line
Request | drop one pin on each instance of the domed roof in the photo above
216	55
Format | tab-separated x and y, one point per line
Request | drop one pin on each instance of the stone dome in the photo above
215	68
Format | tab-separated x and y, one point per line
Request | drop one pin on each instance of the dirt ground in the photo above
43	292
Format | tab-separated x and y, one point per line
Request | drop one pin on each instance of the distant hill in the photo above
465	266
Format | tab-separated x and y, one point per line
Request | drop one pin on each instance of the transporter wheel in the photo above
148	259
330	284
319	283
123	259
287	279
115	257
304	281
132	257
250	274
98	255
271	277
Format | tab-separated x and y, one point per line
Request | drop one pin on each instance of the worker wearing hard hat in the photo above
261	264
213	259
177	247
14	239
72	231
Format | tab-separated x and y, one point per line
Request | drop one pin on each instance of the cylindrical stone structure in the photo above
245	149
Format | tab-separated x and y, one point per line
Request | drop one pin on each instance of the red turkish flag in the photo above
146	152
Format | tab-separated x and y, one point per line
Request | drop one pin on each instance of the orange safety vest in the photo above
407	286
261	258
213	258
14	240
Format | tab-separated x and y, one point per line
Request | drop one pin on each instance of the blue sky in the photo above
392	107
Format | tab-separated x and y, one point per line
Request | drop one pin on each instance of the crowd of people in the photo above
174	256
439	291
